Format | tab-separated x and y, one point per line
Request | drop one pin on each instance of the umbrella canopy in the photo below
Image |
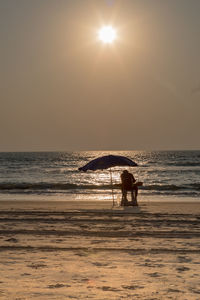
106	162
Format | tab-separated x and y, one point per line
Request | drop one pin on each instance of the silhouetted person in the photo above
128	184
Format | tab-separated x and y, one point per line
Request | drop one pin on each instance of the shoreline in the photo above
155	205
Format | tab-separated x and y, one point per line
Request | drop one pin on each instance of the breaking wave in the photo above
42	187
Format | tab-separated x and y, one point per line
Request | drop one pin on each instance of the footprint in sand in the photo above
98	241
158	265
132	287
12	240
182	269
83	253
109	288
58	285
173	291
37	266
184	259
98	264
155	274
193	290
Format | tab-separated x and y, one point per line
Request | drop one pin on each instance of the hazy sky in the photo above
61	89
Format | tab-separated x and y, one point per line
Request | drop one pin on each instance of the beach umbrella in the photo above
108	162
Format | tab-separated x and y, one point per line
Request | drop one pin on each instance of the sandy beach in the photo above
60	250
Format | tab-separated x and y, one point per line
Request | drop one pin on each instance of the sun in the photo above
107	34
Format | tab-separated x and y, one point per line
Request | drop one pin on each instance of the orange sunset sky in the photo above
62	88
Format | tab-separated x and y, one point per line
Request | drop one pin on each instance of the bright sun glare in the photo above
107	34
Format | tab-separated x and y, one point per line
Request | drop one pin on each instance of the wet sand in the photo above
88	250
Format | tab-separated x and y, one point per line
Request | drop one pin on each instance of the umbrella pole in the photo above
111	181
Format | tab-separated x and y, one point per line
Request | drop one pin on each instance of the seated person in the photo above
128	184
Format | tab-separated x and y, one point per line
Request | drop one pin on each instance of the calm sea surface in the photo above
55	175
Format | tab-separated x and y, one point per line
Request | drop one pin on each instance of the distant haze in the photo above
61	89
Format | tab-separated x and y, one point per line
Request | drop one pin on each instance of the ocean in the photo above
55	175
